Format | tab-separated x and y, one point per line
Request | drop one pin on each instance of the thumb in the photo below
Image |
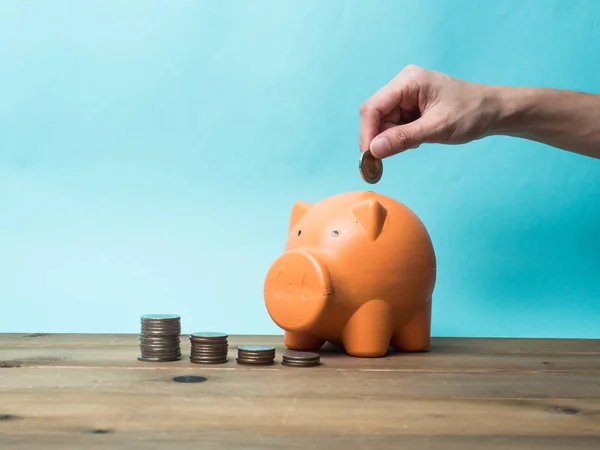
403	137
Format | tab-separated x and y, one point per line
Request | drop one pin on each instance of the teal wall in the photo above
150	153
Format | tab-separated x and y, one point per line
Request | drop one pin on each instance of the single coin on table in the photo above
371	168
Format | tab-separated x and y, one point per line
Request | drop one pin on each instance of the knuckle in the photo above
414	73
412	69
365	110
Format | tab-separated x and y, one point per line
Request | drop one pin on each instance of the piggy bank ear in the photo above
371	216
299	209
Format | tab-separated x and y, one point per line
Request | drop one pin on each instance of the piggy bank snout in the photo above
297	288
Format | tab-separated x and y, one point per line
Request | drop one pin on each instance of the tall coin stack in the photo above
160	338
208	348
256	355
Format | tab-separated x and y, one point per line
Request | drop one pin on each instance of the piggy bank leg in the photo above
295	340
414	335
369	330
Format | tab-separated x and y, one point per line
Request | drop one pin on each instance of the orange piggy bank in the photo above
358	269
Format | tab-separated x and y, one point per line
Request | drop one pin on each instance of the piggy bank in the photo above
358	269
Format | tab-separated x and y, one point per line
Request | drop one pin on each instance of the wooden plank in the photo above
105	439
89	391
438	344
56	412
453	355
288	382
516	346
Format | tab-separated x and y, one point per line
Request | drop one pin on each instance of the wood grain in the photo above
89	391
104	439
125	411
289	382
447	355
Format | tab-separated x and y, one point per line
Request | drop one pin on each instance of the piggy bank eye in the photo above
299	232
335	233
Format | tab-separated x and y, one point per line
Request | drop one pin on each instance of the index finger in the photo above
374	109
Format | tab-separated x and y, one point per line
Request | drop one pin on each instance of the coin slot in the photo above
189	379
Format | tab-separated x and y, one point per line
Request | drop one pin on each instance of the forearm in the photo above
568	120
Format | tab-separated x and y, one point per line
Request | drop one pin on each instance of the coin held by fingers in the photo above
371	168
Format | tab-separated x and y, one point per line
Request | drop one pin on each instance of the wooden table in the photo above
89	392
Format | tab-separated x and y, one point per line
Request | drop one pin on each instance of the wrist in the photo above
513	109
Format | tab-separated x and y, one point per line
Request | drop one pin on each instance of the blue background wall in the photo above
150	153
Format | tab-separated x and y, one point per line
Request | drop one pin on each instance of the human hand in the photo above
422	106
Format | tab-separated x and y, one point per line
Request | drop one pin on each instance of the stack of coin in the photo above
300	359
160	338
208	348
256	355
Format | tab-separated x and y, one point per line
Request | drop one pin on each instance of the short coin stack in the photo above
259	355
208	348
300	359
160	338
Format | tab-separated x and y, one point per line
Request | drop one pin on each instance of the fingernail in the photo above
380	147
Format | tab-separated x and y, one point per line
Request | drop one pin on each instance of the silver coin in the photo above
294	355
300	363
204	345
216	361
208	348
370	168
160	317
161	347
163	341
158	359
256	358
207	357
256	362
257	354
166	351
157	338
212	345
208	352
207	343
160	331
256	348
209	335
